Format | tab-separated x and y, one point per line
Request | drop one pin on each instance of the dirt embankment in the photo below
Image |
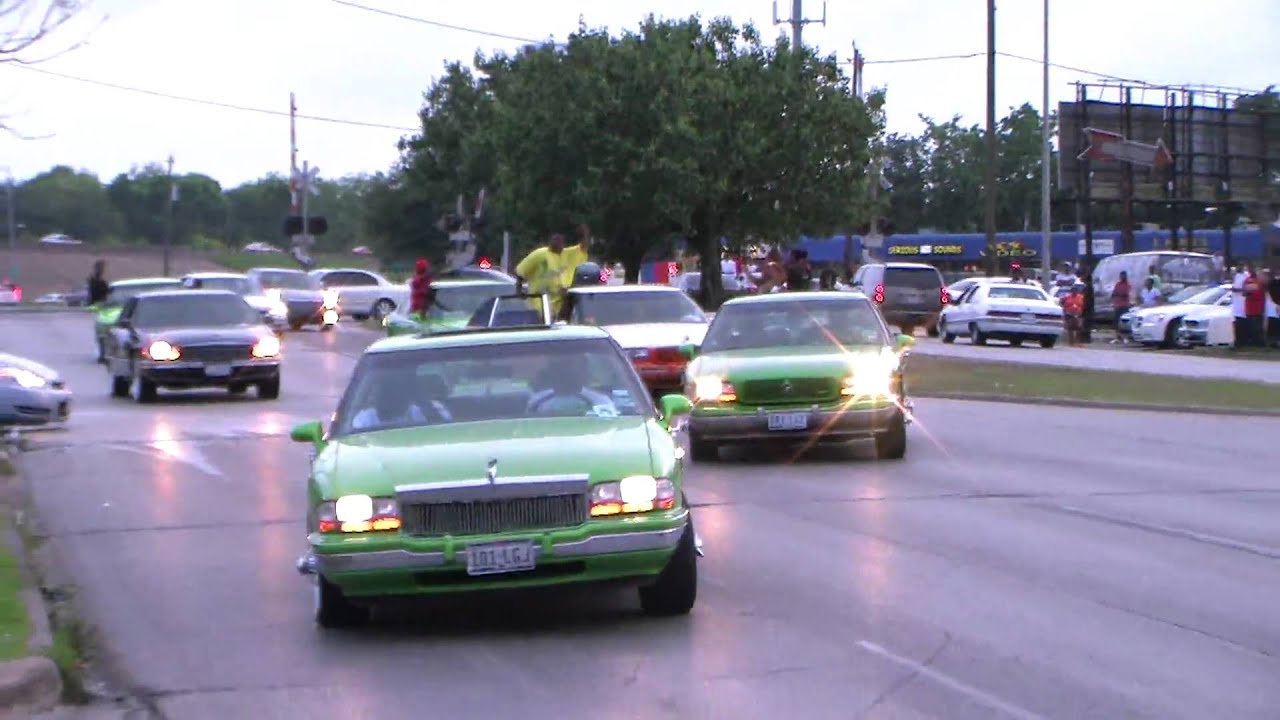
60	269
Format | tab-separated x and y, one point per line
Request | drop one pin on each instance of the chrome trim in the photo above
324	563
194	364
502	488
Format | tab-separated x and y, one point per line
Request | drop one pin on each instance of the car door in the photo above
119	339
956	315
358	290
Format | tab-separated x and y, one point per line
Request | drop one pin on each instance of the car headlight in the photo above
872	377
23	378
163	351
278	308
635	494
711	388
358	514
330	317
331	299
274	295
268	346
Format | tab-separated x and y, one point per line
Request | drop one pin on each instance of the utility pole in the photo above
990	183
1046	166
293	156
168	224
798	21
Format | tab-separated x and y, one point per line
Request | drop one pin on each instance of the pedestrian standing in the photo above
1073	315
1121	300
1255	307
420	294
1240	323
1151	295
97	284
1271	286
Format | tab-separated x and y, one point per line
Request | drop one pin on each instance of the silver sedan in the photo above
31	393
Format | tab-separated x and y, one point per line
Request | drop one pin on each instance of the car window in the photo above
286	280
237	285
126	313
117	294
464	299
1004	292
918	278
630	308
967	295
797	323
351	278
511	381
195	310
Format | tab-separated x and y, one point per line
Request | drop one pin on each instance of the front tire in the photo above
1048	342
947	337
975	335
892	443
676	589
119	387
383	308
143	390
269	389
333	610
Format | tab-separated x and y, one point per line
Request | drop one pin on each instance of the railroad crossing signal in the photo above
308	179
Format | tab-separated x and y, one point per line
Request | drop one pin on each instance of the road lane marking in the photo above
1229	543
174	450
979	696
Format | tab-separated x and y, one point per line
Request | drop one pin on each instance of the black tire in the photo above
946	336
333	610
975	335
703	451
142	389
119	387
908	330
1171	334
382	308
237	388
931	330
1048	342
892	443
269	389
1016	342
295	326
676	589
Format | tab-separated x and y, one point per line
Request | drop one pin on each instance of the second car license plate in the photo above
788	421
495	558
217	370
1028	317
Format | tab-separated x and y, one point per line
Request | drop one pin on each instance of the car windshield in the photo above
170	311
1185	269
287	280
796	323
119	293
1005	292
465	298
237	285
634	307
508	381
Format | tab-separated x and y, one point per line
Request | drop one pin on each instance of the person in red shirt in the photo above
1255	306
1073	316
420	288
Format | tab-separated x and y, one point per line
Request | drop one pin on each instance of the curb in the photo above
1098	404
20	310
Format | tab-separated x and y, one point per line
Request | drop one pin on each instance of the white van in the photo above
1176	270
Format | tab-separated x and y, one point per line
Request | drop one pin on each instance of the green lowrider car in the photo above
455	302
806	367
493	459
108	311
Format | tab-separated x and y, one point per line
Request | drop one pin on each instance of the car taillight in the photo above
666	356
878	296
945	295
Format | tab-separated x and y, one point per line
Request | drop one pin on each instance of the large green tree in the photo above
62	200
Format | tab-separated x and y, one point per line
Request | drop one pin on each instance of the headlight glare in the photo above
330	299
268	346
162	351
711	388
635	494
23	378
358	514
354	508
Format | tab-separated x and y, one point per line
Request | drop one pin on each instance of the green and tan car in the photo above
456	300
802	367
490	459
107	312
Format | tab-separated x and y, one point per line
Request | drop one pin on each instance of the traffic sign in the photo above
1107	145
308	179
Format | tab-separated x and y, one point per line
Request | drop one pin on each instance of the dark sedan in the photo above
191	339
305	299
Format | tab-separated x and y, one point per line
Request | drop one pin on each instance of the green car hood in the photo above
107	315
410	324
780	362
374	463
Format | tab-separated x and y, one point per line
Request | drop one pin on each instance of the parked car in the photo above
31	393
1159	326
490	459
798	367
363	293
910	295
10	294
274	312
186	339
305	301
477	272
1014	312
1208	325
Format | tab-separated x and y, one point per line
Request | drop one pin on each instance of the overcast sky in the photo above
356	65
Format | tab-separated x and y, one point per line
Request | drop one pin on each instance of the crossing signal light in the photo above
293	225
484	263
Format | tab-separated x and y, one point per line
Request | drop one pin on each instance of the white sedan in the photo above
1015	312
1160	325
363	293
1208	325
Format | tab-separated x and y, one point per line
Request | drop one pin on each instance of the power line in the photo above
929	58
437	23
210	103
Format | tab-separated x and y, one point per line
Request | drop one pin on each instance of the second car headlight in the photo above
163	351
268	346
358	514
24	378
635	494
872	377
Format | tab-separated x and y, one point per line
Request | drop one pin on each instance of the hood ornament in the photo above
491	471
787	387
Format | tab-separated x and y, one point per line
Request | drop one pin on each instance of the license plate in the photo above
496	558
217	370
1028	317
788	421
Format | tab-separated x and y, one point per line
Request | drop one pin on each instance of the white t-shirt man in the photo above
1150	297
1237	294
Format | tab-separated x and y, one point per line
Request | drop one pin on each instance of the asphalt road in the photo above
1020	563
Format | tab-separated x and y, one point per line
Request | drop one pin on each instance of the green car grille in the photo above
493	516
780	391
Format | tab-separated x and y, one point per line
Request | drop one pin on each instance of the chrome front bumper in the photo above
830	425
313	563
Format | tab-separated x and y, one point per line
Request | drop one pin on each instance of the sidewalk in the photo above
1107	357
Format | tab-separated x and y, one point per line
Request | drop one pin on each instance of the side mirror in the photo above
308	432
672	406
689	351
906	342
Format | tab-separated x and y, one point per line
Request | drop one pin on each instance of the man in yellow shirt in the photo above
549	269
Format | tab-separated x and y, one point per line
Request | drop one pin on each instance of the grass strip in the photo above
931	375
15	625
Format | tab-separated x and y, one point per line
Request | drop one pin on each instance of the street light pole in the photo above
1046	166
168	224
